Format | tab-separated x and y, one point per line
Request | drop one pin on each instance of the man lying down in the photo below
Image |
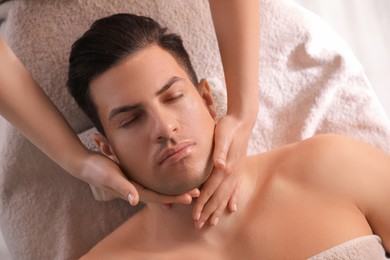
326	196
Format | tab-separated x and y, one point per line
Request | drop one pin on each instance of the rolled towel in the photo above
361	248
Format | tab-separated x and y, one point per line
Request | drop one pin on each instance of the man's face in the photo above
158	127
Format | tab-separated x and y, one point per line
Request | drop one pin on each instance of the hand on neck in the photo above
177	221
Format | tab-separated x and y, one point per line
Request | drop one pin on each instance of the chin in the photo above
191	181
176	180
177	188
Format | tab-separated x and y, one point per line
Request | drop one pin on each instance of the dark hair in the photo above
109	41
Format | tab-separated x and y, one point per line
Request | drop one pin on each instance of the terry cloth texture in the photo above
361	248
310	83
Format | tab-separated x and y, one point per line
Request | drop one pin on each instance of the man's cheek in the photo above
129	172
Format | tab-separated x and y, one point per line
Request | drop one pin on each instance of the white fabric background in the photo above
365	25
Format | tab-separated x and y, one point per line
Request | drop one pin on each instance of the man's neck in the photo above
177	222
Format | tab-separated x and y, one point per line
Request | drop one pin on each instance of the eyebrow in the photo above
129	108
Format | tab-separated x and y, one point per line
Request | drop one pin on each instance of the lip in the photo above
175	153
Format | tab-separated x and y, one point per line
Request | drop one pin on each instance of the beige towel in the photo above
361	248
308	86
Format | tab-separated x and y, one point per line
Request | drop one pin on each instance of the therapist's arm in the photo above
27	108
237	26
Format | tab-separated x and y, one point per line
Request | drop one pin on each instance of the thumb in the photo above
126	190
221	147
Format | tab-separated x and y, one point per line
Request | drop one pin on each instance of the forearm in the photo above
26	107
237	26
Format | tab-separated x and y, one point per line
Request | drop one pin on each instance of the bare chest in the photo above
289	225
282	222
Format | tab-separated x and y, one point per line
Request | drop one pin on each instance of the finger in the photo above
102	193
166	199
212	214
151	196
194	193
208	189
222	143
218	202
214	219
125	189
232	204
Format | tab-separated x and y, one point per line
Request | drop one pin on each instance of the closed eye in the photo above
174	98
130	121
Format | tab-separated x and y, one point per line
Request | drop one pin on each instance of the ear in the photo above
104	146
205	93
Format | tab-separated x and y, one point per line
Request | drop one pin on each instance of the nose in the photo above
164	126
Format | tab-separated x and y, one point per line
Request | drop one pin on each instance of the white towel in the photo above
311	83
361	248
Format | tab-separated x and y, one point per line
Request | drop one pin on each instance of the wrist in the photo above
77	161
244	106
247	115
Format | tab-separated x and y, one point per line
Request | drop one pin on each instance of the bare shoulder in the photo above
338	144
341	162
351	169
111	254
346	156
121	243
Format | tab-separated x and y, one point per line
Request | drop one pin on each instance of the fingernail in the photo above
221	162
201	224
197	216
188	200
130	197
215	221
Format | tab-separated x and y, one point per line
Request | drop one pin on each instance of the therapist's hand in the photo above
109	182
231	138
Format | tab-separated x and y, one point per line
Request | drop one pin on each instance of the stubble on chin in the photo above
188	185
